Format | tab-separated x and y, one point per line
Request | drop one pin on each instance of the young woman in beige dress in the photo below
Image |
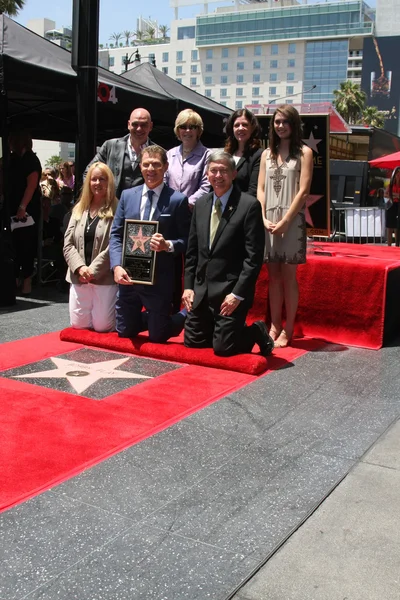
283	185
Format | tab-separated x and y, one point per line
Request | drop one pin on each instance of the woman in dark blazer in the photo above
244	143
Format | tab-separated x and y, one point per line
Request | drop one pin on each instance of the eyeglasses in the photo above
191	127
281	122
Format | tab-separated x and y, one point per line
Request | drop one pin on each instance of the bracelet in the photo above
22	207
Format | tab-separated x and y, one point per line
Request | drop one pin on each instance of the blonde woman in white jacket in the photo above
93	291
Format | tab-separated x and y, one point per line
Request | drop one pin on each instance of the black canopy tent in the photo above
38	90
212	113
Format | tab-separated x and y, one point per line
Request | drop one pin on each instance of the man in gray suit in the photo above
122	154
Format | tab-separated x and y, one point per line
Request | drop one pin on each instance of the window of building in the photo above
257	64
273	64
193	81
255	91
224	79
207	93
178	79
272	91
257	50
225	53
255	102
223	103
273	77
291	63
179	70
289	90
209	53
208	67
165	56
274	49
195	55
208	80
290	76
256	78
193	69
223	92
289	101
239	78
179	56
165	70
224	66
151	58
240	66
292	48
186	33
239	91
241	51
111	61
238	104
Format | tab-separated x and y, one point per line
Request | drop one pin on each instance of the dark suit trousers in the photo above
131	320
206	328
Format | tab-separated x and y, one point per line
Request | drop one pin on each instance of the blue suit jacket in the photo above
173	215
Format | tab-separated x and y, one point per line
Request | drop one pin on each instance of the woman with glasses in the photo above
244	143
188	161
93	292
283	186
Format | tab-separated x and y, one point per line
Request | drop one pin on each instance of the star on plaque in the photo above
312	142
310	200
82	375
139	240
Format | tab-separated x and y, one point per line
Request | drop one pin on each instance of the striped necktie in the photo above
215	219
149	202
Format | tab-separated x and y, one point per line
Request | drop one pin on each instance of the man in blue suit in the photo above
153	201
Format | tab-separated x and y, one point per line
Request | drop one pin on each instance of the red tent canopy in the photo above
386	162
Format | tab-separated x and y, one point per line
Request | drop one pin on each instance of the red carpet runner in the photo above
49	435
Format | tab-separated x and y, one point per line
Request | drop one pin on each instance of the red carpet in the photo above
49	436
349	298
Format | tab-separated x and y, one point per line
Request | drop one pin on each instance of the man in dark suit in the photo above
153	201
122	154
223	259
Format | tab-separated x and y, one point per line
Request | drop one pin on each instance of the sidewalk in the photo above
349	549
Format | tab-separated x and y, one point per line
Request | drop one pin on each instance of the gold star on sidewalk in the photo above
83	375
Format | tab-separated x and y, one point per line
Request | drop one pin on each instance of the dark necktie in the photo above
215	219
147	208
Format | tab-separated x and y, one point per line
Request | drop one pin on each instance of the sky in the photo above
115	15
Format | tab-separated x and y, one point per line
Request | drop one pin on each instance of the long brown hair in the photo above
108	210
253	143
290	113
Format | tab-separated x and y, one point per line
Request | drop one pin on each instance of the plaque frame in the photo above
140	265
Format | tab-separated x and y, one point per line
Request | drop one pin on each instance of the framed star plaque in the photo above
137	258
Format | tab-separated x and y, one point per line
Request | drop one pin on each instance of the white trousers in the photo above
92	306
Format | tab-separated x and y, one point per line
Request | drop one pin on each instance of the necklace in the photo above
90	221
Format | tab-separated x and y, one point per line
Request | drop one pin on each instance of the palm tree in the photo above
151	32
373	117
138	35
11	7
164	31
127	36
349	101
116	37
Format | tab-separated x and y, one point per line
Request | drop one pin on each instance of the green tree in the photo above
164	31
116	37
139	35
349	101
127	35
53	161
11	7
151	32
373	117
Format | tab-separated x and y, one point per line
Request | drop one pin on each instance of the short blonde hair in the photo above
108	210
189	117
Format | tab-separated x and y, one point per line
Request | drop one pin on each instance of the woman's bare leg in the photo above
275	293
291	298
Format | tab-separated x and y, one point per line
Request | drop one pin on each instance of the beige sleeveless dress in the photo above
281	185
